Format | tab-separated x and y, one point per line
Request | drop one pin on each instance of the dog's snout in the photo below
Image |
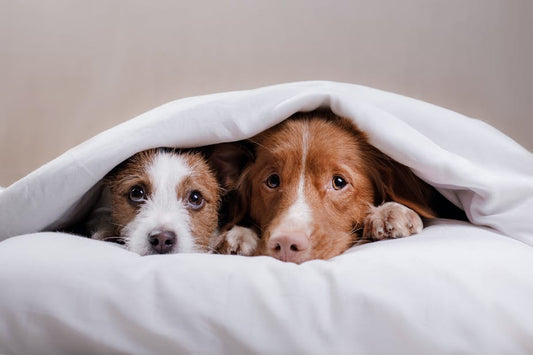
288	246
162	242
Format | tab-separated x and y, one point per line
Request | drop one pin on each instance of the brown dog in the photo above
314	186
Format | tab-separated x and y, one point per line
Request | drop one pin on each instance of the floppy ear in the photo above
396	182
229	161
407	189
237	202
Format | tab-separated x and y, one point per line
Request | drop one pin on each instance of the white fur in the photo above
162	210
299	216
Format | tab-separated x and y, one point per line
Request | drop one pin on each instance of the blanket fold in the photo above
475	166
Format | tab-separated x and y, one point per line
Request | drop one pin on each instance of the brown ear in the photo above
407	189
396	182
229	160
235	205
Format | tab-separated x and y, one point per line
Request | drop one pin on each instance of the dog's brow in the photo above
262	146
129	179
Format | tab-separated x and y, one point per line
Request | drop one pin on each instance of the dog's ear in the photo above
228	160
406	188
391	180
236	204
396	182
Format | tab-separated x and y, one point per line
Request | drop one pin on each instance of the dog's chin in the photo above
143	248
323	246
149	251
137	248
302	258
176	250
299	259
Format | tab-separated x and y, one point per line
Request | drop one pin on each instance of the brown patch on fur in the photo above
120	181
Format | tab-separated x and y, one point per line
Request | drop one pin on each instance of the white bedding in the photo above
454	288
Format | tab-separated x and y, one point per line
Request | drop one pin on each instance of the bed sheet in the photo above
455	288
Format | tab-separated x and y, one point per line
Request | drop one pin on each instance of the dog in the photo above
313	187
161	201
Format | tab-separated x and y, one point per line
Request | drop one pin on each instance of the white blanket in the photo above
454	288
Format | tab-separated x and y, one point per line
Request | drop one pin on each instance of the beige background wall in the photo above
70	69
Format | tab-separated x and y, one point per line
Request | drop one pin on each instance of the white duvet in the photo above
455	288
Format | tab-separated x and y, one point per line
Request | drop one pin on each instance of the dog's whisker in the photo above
114	239
356	228
212	250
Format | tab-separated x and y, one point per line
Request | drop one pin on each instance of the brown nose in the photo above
288	246
162	242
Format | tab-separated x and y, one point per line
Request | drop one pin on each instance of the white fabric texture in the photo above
454	288
471	163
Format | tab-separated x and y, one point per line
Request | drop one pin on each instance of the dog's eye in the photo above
137	194
196	200
338	182
273	181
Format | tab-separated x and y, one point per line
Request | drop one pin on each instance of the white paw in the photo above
239	240
391	220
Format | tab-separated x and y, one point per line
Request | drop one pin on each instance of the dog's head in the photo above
164	201
310	185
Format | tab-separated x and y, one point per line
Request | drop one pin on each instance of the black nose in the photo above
162	242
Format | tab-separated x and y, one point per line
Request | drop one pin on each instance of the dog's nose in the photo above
288	246
162	242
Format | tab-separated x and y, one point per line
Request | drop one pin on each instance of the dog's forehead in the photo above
317	138
169	168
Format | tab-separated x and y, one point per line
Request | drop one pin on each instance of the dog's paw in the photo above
238	240
391	220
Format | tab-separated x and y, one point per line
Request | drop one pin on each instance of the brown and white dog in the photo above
314	186
160	201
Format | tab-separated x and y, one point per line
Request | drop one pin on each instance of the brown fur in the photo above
204	221
120	180
335	147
